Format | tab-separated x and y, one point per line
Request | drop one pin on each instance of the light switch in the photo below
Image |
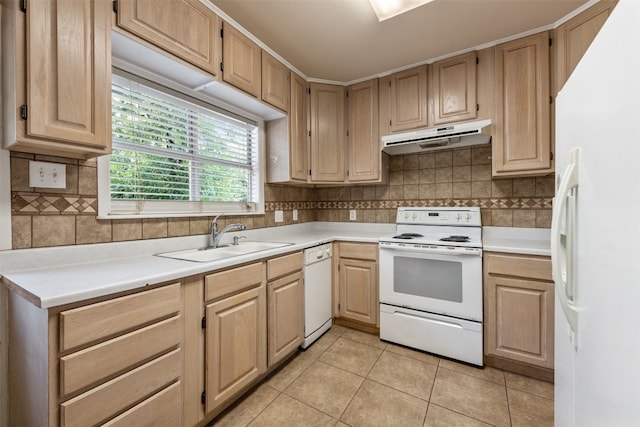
47	175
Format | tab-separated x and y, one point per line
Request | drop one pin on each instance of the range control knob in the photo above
458	217
468	217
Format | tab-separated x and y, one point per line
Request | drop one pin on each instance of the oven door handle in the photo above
454	251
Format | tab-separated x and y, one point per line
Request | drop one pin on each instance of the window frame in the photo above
127	209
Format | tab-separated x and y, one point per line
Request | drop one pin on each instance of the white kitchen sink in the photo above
214	254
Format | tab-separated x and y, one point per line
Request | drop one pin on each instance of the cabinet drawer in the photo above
78	370
101	403
98	321
230	281
359	251
284	265
161	409
533	267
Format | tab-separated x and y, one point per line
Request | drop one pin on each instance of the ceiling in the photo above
342	40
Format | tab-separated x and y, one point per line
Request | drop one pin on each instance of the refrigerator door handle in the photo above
562	258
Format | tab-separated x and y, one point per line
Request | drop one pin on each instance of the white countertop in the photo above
529	241
50	277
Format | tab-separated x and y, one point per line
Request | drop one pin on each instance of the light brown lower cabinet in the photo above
236	332
285	299
108	362
358	282
519	309
174	355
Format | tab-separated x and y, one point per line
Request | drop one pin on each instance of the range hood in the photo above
438	138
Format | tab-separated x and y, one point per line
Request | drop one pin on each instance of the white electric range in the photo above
431	282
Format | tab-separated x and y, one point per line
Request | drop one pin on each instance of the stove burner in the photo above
457	239
407	236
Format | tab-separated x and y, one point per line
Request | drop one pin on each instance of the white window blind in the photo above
176	154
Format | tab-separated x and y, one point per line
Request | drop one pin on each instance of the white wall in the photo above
5	243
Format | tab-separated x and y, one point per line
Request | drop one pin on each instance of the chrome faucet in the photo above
217	235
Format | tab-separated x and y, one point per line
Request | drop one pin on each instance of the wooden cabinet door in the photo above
68	72
359	290
520	320
574	37
407	100
235	344
275	82
327	133
453	89
286	316
241	61
522	141
299	129
363	134
185	28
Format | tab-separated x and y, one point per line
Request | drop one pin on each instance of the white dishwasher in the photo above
317	292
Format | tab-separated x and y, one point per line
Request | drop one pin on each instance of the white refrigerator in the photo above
595	236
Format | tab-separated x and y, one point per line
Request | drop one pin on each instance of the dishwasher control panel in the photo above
317	253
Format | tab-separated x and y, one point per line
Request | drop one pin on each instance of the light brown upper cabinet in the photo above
184	28
453	89
403	101
327	133
574	37
275	82
363	135
241	61
299	128
288	138
57	83
522	141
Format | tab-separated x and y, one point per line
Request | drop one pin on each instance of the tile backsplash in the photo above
461	177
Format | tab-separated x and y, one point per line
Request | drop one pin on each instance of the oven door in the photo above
440	280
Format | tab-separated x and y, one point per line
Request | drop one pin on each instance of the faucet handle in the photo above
236	238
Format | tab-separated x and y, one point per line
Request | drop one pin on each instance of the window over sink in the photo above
177	155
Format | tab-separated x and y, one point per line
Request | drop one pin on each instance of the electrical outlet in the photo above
352	215
47	175
279	216
295	214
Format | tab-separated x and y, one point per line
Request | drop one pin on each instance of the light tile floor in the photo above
350	378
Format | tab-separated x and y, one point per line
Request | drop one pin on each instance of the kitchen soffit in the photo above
342	40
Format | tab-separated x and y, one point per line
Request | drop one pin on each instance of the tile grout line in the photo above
316	359
280	393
